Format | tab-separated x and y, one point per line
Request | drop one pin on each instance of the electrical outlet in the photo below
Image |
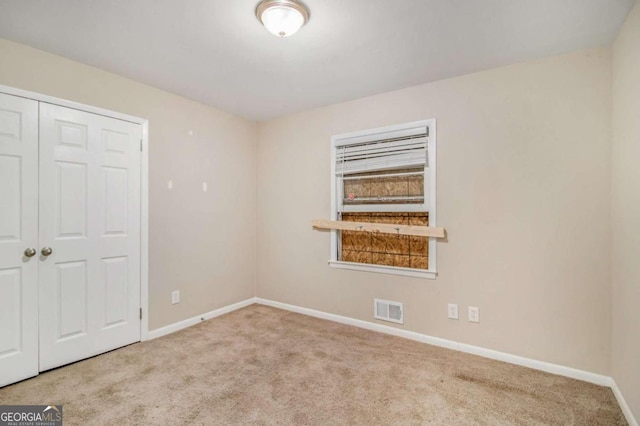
474	314
453	311
175	297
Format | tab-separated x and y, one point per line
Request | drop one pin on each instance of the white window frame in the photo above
429	180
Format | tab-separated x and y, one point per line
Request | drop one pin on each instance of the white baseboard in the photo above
172	328
623	404
560	370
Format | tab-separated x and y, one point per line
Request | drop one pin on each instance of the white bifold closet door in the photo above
18	233
89	203
70	204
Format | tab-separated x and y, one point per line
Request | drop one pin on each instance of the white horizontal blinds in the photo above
391	150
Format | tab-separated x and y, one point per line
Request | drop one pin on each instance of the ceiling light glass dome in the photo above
282	17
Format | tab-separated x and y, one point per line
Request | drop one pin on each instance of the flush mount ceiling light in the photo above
282	17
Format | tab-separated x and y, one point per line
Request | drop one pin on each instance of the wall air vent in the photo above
388	311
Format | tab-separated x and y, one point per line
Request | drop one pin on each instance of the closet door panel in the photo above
18	232
90	218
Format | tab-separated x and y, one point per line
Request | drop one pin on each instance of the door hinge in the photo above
140	145
140	313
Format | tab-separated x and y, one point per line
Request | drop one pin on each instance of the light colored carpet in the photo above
261	365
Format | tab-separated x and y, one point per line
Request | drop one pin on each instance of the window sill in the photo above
391	270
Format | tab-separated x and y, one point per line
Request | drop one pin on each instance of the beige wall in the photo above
201	244
626	211
523	190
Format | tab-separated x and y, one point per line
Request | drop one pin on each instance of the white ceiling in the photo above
216	52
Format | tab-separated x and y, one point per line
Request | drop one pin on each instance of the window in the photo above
386	176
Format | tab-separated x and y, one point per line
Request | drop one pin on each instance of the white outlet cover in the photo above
175	297
205	187
474	314
453	311
170	184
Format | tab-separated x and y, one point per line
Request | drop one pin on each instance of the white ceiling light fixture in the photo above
282	17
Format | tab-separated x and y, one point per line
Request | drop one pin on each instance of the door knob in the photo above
46	251
30	252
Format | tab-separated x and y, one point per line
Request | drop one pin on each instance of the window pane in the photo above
404	186
386	249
